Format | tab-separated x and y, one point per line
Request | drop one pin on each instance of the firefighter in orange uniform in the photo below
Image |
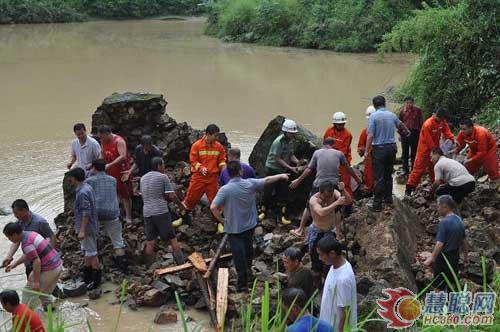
342	141
482	148
207	158
368	171
433	130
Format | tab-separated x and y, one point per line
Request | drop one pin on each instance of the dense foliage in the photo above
49	11
341	25
458	67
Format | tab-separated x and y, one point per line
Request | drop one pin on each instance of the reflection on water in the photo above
52	76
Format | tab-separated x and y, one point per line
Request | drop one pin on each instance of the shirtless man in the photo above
325	211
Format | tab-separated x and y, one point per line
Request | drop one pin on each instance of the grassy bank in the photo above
458	66
57	11
341	25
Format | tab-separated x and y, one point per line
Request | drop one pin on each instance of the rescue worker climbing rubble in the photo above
207	157
434	130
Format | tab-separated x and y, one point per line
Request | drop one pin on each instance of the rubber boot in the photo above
96	280
123	264
186	217
179	257
87	275
149	260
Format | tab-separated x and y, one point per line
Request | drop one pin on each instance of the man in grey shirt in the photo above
30	222
84	149
326	162
237	199
156	189
108	210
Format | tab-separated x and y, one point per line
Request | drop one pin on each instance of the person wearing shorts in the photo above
86	226
156	189
325	209
108	211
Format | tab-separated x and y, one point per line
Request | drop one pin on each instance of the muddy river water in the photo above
52	76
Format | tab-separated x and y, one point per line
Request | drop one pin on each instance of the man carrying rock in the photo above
143	155
451	177
326	162
86	226
294	301
279	160
413	118
207	157
47	265
325	210
339	292
482	148
31	222
237	199
248	171
84	149
299	276
108	211
433	131
381	145
156	189
367	164
450	239
114	151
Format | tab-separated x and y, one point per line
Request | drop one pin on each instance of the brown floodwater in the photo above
52	76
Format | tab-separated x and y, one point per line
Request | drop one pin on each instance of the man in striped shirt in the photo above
47	265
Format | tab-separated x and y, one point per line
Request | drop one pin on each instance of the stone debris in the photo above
166	315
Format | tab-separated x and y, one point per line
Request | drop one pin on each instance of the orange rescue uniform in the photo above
482	151
368	173
342	142
204	155
429	138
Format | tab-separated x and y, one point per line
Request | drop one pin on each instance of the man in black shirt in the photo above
143	155
298	275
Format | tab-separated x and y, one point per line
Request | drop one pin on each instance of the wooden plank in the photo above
213	263
206	297
185	266
222	293
198	262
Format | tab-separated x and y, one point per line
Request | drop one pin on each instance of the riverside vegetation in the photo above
58	11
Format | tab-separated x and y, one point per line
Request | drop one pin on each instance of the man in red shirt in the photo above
23	318
413	119
114	152
433	131
342	139
482	148
207	157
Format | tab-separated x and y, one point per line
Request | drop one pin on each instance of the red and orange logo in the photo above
401	308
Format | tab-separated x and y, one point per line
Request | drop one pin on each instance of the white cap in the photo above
339	117
369	110
289	126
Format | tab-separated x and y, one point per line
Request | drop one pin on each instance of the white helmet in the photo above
369	110
289	126
339	117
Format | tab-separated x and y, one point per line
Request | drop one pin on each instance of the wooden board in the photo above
222	292
198	262
183	267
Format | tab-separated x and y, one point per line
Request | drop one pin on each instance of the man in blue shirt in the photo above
381	144
86	226
248	171
296	299
237	199
450	238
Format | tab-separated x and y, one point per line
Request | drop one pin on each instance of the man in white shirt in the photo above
338	303
451	177
84	149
